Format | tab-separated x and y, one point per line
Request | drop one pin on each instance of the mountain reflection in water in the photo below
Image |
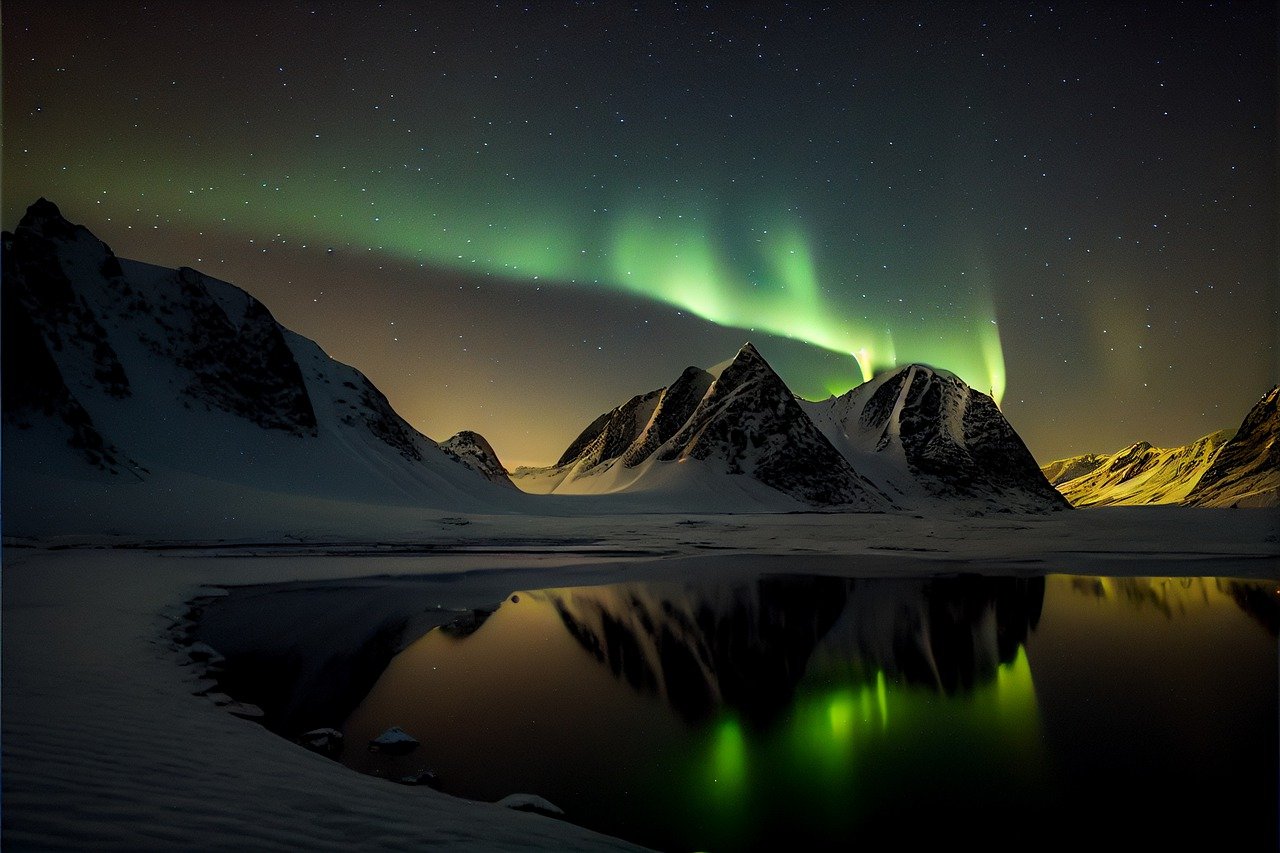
747	647
821	710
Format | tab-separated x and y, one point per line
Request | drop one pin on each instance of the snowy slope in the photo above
929	440
736	429
1142	474
1247	471
1061	470
120	373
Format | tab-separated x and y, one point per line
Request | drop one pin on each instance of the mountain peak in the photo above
933	437
733	424
42	208
747	362
144	372
748	355
44	217
473	450
926	370
1244	473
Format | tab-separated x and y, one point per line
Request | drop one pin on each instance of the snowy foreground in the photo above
105	747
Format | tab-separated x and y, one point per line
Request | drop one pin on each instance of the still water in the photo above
796	711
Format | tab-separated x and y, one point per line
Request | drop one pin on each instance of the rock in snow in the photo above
422	777
205	653
471	449
325	741
530	803
245	710
394	741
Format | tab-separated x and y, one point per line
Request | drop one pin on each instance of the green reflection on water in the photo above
796	711
728	757
837	758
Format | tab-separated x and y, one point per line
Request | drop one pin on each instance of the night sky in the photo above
514	216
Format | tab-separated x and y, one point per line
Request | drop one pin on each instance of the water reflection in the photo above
1182	596
812	711
746	648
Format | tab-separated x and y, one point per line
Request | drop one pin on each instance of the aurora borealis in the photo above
513	217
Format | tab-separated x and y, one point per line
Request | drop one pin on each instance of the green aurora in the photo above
737	262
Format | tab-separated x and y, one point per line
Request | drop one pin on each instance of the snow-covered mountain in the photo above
1224	468
1137	474
1061	470
736	429
925	438
119	373
1247	470
471	449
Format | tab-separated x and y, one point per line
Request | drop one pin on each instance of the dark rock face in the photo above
879	408
1247	469
34	272
750	421
471	449
43	314
998	455
384	423
987	454
953	440
34	388
611	434
675	408
243	366
634	430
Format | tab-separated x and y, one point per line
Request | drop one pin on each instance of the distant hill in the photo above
1225	468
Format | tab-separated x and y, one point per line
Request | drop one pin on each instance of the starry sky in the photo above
513	216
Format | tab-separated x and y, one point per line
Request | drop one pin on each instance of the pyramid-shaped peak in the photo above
747	363
44	219
748	357
42	208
